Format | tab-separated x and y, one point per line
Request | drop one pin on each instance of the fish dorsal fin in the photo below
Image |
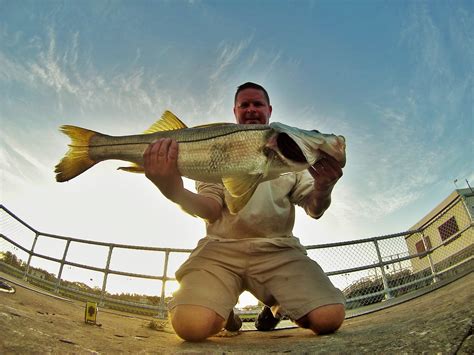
239	190
167	122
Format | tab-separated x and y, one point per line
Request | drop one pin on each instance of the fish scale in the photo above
223	156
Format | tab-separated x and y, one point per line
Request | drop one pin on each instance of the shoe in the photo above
234	323
266	321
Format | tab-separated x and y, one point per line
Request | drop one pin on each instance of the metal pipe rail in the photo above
376	254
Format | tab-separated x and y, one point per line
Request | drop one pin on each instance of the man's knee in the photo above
195	323
325	319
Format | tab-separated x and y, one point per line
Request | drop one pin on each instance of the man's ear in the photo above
270	109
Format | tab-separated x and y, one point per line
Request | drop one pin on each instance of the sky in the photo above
394	77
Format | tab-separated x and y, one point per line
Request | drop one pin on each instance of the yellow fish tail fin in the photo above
77	159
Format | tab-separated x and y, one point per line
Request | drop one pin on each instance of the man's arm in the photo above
326	172
160	163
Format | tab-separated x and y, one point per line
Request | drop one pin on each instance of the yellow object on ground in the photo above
91	313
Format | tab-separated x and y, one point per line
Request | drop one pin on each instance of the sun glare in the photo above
246	299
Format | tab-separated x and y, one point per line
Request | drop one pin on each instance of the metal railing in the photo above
368	271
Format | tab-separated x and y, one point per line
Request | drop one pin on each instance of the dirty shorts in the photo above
275	271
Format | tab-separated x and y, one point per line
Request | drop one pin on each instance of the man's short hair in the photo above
250	85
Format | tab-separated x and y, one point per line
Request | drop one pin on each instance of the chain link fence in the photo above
368	271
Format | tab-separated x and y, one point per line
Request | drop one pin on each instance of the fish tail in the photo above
77	159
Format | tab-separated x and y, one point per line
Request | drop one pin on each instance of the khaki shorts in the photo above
274	271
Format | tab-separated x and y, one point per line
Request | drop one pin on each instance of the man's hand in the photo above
161	168
326	172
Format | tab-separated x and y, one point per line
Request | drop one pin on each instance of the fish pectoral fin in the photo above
134	168
240	189
239	186
167	122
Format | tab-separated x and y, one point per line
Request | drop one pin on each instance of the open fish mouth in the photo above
303	146
290	149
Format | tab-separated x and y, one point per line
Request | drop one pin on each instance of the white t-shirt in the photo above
270	213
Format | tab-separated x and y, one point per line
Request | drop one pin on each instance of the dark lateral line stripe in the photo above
187	141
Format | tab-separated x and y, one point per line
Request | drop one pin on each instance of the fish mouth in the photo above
302	146
289	149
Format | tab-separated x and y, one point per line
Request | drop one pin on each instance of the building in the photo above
444	238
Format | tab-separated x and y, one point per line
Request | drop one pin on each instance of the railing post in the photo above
27	269
430	260
106	275
386	287
61	267
163	312
466	207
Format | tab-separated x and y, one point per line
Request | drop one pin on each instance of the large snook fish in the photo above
239	156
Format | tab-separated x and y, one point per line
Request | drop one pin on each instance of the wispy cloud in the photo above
443	53
424	36
18	164
11	70
68	73
227	55
63	72
391	115
235	63
50	71
406	152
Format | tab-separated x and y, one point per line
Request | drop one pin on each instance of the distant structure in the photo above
447	231
38	274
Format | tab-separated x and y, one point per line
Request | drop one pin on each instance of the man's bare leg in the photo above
195	323
324	320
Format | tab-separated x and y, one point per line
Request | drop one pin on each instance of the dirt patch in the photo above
440	321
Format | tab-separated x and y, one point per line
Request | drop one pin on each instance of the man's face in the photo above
251	107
